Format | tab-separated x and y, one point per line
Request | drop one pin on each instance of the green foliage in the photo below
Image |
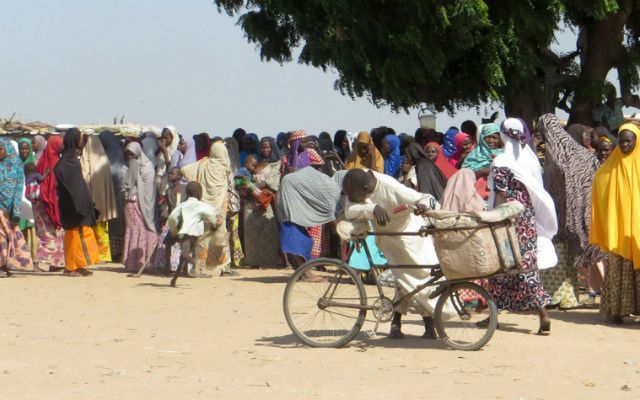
447	54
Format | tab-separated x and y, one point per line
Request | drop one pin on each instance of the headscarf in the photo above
11	180
615	210
48	187
307	198
97	175
325	143
526	130
297	160
455	158
256	147
524	165
315	158
393	161
31	157
430	179
174	138
338	141
213	174
42	143
234	153
149	145
481	156
139	179
179	160
75	203
275	150
238	135
569	170
460	194
203	152
282	140
115	153
443	164
374	161
449	146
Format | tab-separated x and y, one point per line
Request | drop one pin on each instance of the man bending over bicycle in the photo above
374	197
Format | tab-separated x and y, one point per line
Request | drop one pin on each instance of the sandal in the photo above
85	272
72	274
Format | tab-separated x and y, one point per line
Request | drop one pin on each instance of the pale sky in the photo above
163	62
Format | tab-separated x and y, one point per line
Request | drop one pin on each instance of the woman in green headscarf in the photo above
479	160
26	151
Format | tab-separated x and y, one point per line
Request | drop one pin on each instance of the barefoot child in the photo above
187	223
374	197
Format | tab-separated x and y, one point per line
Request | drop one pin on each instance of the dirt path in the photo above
113	337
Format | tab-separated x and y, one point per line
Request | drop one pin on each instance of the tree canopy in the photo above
453	54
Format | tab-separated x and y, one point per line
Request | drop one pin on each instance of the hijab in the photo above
275	150
282	140
11	180
97	175
204	151
460	138
449	147
213	174
338	142
233	150
149	144
297	159
393	161
430	179
115	153
139	180
31	158
374	161
569	170
48	187
256	146
482	156
42	143
522	162
615	209
460	194
179	160
75	203
443	164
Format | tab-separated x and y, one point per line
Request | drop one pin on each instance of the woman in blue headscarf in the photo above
392	157
250	145
14	253
449	146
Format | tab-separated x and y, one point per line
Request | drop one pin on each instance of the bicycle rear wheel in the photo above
466	316
328	313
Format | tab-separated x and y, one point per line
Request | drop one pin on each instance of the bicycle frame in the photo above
436	272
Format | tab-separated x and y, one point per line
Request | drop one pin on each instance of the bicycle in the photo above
331	313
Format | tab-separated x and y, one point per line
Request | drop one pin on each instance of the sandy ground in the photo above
114	337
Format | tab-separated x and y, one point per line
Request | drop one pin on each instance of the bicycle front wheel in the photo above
466	316
324	303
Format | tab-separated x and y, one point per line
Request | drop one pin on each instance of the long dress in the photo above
261	234
401	250
51	238
525	291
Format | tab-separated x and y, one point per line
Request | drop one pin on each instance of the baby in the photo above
250	164
32	181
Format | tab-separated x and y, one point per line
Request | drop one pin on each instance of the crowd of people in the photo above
205	206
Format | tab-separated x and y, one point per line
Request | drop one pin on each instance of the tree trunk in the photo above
523	104
601	54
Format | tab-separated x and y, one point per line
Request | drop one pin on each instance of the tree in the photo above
453	54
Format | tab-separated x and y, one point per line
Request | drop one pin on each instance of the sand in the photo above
114	337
